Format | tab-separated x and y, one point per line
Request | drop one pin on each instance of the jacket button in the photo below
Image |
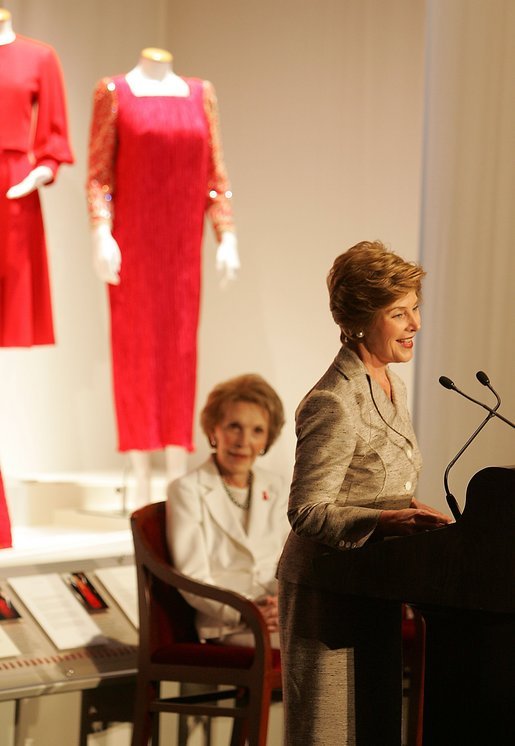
407	486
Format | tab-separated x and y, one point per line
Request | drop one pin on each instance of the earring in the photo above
212	443
360	334
262	452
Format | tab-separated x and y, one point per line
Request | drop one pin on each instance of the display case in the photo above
68	624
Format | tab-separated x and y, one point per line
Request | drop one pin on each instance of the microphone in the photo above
451	500
482	378
448	384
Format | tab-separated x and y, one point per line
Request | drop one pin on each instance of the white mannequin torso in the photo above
154	76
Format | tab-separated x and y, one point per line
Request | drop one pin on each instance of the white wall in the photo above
321	114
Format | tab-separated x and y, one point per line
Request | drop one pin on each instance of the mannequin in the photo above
129	99
33	144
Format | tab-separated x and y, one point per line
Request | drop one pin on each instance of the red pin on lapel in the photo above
266	496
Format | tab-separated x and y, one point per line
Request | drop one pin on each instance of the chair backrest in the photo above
165	616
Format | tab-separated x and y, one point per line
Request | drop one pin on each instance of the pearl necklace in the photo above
246	504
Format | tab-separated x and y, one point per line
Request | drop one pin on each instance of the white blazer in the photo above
208	542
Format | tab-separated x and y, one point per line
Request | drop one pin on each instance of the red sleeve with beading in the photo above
219	193
102	152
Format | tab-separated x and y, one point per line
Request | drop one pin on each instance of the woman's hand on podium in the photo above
418	517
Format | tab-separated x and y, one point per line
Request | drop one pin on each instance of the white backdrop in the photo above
467	237
322	113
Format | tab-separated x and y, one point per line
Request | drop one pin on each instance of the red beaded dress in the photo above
155	169
33	132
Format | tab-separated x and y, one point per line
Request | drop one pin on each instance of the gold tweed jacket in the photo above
356	455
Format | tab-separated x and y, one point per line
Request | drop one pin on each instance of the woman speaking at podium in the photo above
356	468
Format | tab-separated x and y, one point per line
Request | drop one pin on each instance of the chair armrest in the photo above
247	608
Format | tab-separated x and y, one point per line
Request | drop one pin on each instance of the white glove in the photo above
227	259
107	257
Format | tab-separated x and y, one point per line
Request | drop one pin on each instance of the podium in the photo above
462	578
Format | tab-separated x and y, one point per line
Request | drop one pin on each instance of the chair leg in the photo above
146	723
240	732
155	729
416	683
143	729
240	727
258	716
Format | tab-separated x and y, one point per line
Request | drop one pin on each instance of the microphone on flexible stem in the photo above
483	378
448	384
451	500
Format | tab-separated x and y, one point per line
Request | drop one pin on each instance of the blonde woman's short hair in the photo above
365	279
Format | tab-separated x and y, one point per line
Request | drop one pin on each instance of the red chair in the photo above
170	650
413	646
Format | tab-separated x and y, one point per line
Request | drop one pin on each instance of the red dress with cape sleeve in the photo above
33	132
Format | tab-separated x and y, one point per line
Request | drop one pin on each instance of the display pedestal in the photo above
40	499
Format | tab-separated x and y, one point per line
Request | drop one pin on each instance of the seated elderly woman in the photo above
226	520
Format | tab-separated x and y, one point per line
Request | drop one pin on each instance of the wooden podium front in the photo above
462	578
